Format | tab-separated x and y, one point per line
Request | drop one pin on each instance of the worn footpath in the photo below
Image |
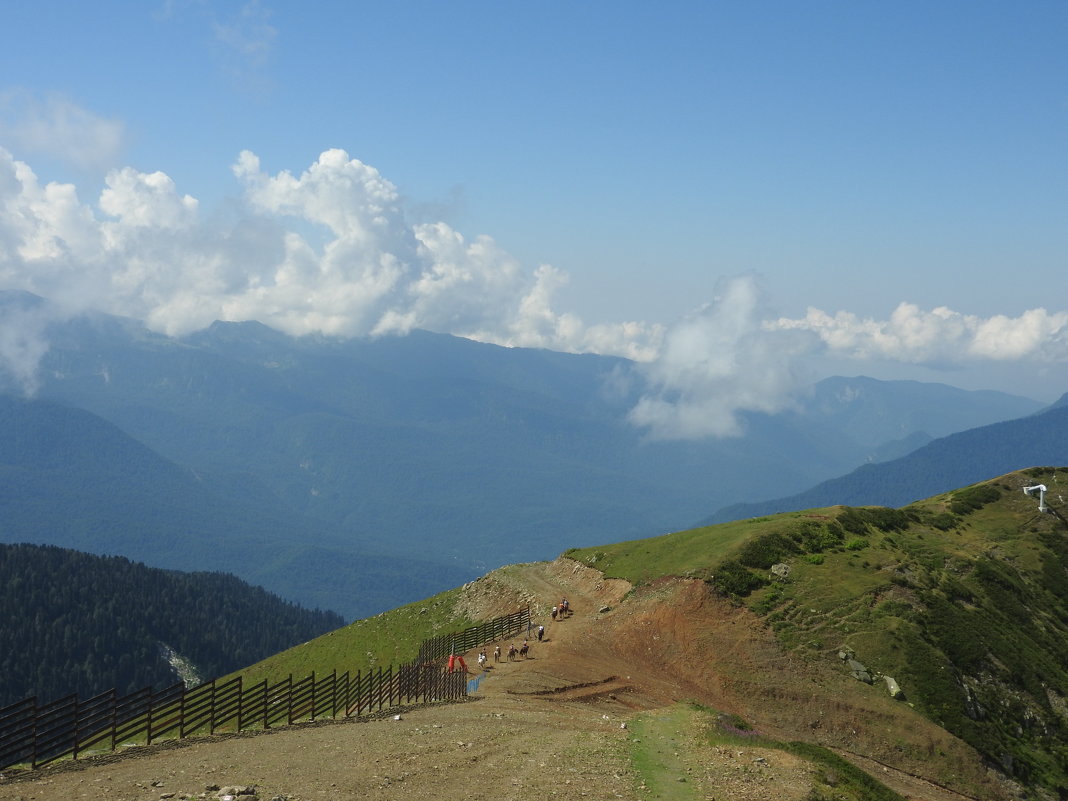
594	712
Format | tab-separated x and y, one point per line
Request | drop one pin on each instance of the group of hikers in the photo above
559	612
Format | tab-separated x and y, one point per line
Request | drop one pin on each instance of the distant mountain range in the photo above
356	475
943	464
74	480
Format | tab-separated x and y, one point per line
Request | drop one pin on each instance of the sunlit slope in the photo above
390	638
962	598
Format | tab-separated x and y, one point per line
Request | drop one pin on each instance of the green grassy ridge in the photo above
390	638
656	736
962	598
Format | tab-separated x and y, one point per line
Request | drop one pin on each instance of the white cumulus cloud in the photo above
23	342
332	250
718	362
329	250
938	337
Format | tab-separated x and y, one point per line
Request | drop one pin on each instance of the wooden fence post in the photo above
214	690
114	721
360	694
289	701
342	694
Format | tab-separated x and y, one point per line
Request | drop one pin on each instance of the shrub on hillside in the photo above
943	521
856	521
969	500
764	551
1039	472
815	536
732	578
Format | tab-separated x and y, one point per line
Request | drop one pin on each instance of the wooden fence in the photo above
37	735
460	642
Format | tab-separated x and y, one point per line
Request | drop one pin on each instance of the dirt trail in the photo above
504	744
585	716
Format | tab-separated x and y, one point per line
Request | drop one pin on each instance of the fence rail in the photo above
36	735
457	643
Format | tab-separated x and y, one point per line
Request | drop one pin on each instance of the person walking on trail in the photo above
541	632
497	653
554	613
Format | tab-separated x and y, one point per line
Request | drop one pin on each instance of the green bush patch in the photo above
733	579
971	499
764	551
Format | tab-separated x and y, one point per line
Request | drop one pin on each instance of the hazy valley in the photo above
354	475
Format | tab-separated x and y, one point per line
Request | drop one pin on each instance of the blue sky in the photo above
662	160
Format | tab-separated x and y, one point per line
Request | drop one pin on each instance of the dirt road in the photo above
591	714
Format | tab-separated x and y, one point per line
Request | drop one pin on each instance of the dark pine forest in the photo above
79	623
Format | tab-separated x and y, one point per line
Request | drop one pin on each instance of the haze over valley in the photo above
370	473
328	329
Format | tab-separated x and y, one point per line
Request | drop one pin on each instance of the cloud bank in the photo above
331	250
720	361
733	356
327	251
57	127
938	337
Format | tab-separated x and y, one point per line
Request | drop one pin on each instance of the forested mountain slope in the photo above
74	622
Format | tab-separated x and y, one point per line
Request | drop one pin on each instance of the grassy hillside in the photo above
387	639
962	598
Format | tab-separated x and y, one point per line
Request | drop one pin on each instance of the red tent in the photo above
453	659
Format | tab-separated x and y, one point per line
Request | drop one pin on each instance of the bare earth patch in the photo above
564	722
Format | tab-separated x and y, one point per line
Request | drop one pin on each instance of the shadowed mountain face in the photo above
439	456
952	461
879	414
74	480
